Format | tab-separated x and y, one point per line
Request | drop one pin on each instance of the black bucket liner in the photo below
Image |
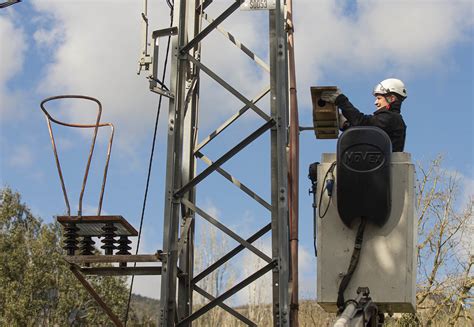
363	175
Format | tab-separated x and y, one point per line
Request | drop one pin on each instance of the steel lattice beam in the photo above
183	181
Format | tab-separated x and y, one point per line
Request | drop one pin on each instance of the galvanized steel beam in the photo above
231	254
225	307
229	293
236	182
198	38
226	230
178	77
279	173
230	121
229	88
229	154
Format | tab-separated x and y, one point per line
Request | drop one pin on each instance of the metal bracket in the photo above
153	78
8	3
145	60
159	90
164	32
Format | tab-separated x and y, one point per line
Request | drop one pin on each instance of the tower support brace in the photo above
184	149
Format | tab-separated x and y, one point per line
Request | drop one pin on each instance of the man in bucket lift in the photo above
389	95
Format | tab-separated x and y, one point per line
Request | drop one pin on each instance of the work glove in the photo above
343	122
330	96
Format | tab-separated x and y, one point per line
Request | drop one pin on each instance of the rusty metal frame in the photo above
96	127
96	296
79	272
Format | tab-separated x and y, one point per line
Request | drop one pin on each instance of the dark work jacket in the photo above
391	121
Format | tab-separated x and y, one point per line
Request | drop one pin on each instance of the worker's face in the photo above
380	102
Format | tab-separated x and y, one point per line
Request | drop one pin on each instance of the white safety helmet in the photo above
391	85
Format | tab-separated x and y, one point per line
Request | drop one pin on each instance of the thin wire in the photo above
149	169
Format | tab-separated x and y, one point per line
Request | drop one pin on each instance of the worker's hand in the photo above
330	96
343	122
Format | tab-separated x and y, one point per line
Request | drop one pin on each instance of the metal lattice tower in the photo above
184	149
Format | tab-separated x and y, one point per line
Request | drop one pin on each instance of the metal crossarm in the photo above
229	88
224	158
236	182
226	230
229	293
230	121
85	259
198	38
122	271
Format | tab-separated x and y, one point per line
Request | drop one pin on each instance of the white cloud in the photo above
387	37
47	37
12	51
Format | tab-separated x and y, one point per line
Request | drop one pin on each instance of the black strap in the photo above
353	264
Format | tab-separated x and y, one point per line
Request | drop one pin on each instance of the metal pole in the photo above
279	112
173	168
293	176
188	169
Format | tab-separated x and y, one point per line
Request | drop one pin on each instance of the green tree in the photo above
36	285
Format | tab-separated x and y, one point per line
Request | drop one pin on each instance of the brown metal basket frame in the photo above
95	126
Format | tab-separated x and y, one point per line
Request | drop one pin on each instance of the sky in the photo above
92	48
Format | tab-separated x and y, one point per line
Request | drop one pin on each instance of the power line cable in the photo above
150	165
